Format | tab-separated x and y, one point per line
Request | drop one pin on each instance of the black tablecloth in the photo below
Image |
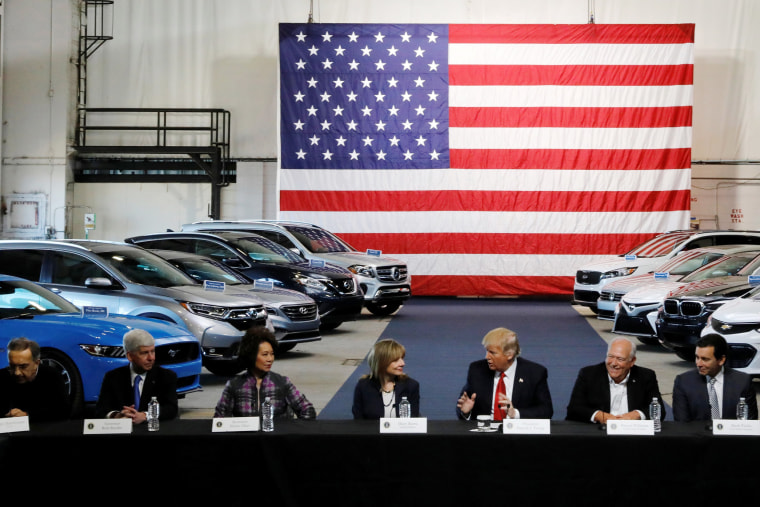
351	463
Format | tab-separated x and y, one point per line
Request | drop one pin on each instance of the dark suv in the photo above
335	290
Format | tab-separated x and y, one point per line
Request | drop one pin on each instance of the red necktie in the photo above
501	388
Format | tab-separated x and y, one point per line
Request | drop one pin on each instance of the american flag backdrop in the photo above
494	159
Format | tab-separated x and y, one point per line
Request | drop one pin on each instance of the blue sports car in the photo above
82	348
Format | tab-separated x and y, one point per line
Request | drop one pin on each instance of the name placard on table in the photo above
403	425
626	427
107	426
14	424
526	427
733	427
231	424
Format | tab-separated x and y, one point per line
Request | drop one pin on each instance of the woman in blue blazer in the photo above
379	393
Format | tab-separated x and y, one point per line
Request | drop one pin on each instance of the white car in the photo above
591	278
637	312
676	268
738	321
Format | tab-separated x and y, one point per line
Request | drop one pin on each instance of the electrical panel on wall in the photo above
24	216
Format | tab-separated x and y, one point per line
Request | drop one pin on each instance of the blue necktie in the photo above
137	392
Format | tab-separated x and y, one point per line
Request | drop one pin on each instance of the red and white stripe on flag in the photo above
566	143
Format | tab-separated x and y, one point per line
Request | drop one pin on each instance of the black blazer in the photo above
116	392
368	402
691	402
530	393
592	392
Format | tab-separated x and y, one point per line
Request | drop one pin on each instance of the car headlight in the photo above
361	270
103	350
619	272
309	282
212	311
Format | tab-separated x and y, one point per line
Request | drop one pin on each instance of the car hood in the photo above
618	261
197	294
277	295
351	258
632	282
99	330
651	293
739	311
690	291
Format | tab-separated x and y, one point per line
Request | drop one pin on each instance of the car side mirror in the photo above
234	262
98	281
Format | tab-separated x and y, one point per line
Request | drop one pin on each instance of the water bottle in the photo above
742	411
153	411
267	415
404	408
655	414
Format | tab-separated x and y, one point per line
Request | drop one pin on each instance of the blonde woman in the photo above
379	393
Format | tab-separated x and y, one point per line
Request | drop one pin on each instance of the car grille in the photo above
391	273
343	285
725	328
685	308
633	325
177	353
611	296
740	355
300	312
243	319
588	277
586	296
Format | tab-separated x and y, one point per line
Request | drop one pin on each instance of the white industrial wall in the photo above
223	53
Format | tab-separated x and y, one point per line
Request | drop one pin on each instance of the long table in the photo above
350	463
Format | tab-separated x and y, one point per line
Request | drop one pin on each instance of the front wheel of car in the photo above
686	354
648	340
329	326
383	309
285	347
224	369
66	368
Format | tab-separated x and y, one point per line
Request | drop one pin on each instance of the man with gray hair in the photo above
127	390
615	388
30	388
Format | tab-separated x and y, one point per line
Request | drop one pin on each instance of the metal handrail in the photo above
217	125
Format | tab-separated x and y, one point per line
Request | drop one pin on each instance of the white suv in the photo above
591	278
385	281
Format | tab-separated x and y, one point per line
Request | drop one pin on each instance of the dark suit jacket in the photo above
116	392
368	402
592	392
45	398
691	402
530	393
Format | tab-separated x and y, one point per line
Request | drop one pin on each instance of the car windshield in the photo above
318	240
19	297
739	265
686	262
143	267
261	249
202	269
660	245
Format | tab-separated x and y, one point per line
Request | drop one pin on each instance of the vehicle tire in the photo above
329	326
686	354
648	340
61	363
382	309
224	369
285	347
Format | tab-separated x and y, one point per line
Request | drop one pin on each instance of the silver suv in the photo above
130	280
385	281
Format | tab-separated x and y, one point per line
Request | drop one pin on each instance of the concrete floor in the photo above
320	368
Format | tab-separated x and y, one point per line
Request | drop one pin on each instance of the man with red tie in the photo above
504	385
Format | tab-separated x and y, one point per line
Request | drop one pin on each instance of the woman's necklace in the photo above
386	393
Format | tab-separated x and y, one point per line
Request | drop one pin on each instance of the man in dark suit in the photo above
691	390
614	389
503	384
126	391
